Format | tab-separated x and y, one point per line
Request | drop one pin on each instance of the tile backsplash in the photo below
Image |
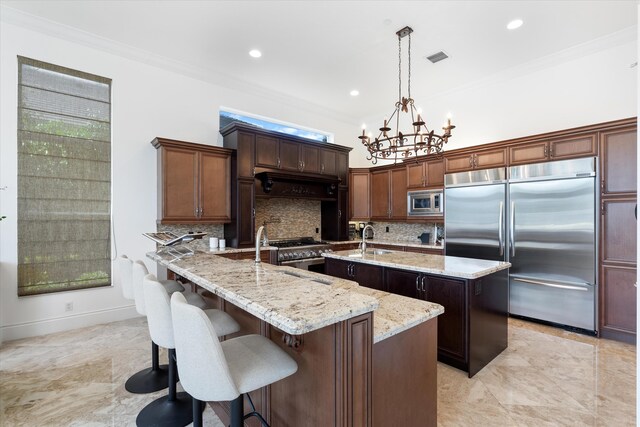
403	231
286	218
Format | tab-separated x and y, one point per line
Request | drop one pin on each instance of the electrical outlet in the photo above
317	230
68	306
387	229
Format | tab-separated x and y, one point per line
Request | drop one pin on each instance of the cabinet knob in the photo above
339	213
551	151
546	151
322	168
278	162
417	286
471	160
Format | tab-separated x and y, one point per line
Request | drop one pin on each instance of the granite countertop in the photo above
298	301
449	266
410	243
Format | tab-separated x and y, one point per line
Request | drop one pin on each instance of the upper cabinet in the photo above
618	161
553	149
193	182
359	187
267	150
388	194
481	159
425	173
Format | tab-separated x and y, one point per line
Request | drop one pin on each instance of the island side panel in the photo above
405	382
333	384
488	319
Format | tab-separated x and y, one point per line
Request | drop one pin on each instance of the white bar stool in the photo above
215	371
175	409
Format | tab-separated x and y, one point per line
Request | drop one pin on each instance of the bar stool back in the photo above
175	409
215	371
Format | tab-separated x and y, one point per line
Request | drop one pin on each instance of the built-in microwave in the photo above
425	203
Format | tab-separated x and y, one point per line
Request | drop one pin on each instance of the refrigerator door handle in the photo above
512	229
584	288
500	230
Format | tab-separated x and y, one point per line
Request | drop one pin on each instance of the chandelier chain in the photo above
399	69
409	74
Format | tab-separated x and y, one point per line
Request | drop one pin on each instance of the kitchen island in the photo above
474	293
365	357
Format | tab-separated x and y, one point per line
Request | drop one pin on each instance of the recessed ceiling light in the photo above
354	93
255	53
516	23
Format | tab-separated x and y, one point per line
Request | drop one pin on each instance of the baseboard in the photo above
66	323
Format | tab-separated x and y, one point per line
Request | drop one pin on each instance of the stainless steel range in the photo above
305	253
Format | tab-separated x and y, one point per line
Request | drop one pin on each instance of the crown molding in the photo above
31	22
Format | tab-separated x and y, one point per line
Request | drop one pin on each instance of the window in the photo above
64	179
228	116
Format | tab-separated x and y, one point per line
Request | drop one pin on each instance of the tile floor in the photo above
546	377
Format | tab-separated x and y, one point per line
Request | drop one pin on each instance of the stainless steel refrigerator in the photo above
542	219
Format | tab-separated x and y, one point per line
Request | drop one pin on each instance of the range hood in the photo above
296	185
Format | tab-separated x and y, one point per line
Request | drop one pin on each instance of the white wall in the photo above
147	102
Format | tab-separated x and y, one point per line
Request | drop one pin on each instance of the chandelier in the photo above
419	140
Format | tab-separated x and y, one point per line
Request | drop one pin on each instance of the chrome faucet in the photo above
363	245
258	234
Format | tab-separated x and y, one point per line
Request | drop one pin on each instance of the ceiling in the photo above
318	51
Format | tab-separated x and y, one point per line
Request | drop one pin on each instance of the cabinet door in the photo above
490	159
402	282
531	152
290	158
267	154
215	182
246	153
458	163
398	196
619	228
434	170
618	164
180	177
416	175
452	324
246	213
328	162
342	167
367	275
359	198
618	300
310	159
337	268
567	148
380	194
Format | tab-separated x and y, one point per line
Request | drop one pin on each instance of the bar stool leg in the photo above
151	379
196	407
237	411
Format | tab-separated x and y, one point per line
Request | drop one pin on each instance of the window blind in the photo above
64	179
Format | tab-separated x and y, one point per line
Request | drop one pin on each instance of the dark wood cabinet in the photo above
359	187
193	182
369	276
328	162
267	151
342	167
482	159
618	168
452	324
554	149
618	228
334	220
262	157
472	330
388	194
425	174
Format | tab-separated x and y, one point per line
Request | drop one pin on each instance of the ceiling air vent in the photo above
437	57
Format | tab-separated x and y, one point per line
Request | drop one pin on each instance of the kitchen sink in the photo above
370	252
